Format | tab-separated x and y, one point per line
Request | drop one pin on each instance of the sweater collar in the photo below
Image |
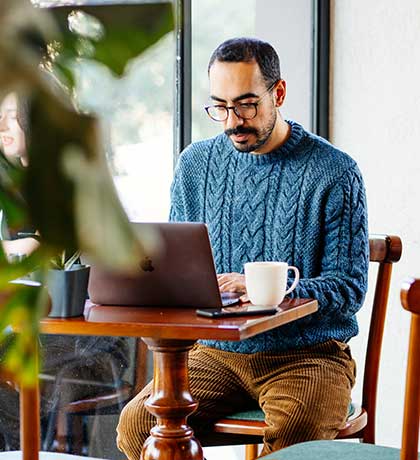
296	135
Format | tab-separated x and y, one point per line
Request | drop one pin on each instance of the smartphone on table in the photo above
240	310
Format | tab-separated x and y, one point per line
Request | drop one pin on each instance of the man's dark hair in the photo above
244	49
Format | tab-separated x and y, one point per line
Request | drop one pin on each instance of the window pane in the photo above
287	25
136	111
213	21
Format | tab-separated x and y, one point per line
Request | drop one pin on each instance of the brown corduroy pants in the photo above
304	394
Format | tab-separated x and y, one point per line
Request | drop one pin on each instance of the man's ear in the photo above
280	92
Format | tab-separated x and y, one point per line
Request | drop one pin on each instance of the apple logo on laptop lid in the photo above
146	264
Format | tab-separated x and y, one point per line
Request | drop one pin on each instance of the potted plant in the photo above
67	282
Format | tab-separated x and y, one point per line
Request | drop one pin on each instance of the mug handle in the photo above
295	282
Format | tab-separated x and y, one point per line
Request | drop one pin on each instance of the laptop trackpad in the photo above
229	298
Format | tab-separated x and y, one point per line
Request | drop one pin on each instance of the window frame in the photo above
320	100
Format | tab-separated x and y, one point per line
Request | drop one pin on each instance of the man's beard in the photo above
262	135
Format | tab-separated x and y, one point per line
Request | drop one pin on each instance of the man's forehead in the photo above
233	79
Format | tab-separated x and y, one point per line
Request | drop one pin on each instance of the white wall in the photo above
375	116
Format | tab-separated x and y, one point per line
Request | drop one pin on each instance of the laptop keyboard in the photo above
229	298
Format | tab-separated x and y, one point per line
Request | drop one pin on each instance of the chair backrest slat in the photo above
410	299
385	250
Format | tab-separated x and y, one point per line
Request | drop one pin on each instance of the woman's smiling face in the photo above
12	136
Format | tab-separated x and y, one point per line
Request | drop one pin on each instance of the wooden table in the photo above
170	333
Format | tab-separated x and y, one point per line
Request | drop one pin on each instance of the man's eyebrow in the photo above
238	98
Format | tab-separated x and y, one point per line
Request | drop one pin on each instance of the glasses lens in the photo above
246	111
217	112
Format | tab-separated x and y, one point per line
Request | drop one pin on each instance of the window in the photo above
297	29
212	24
136	108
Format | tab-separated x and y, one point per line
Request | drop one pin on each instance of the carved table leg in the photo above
171	403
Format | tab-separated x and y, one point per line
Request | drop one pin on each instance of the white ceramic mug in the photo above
266	282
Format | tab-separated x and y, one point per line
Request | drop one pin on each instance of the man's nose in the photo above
233	120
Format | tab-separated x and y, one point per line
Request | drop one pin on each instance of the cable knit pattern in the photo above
304	204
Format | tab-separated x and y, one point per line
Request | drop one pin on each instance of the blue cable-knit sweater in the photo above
303	203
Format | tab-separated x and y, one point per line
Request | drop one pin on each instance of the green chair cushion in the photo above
257	415
334	450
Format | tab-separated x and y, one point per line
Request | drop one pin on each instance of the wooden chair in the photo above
248	427
110	402
330	450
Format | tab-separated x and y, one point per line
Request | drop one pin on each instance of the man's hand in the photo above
233	282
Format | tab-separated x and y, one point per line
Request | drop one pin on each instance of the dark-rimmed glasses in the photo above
244	110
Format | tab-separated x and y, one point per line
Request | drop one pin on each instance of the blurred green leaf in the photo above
21	308
103	227
11	271
48	191
23	31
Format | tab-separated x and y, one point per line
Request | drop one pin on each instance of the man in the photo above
269	190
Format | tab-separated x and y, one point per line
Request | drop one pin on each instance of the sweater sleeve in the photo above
176	211
187	189
179	189
341	286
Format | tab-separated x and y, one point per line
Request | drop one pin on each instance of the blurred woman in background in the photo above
13	133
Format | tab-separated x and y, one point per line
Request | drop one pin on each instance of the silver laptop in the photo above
180	274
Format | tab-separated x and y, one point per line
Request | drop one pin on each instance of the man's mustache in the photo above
240	130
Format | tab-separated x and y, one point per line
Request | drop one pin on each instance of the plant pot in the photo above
68	291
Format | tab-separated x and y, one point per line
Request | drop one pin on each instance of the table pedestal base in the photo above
171	403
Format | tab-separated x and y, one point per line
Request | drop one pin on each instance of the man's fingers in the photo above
232	286
222	279
231	282
228	286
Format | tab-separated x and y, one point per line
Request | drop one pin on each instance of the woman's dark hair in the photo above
244	49
22	113
34	40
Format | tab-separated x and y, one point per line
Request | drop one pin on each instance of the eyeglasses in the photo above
244	110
